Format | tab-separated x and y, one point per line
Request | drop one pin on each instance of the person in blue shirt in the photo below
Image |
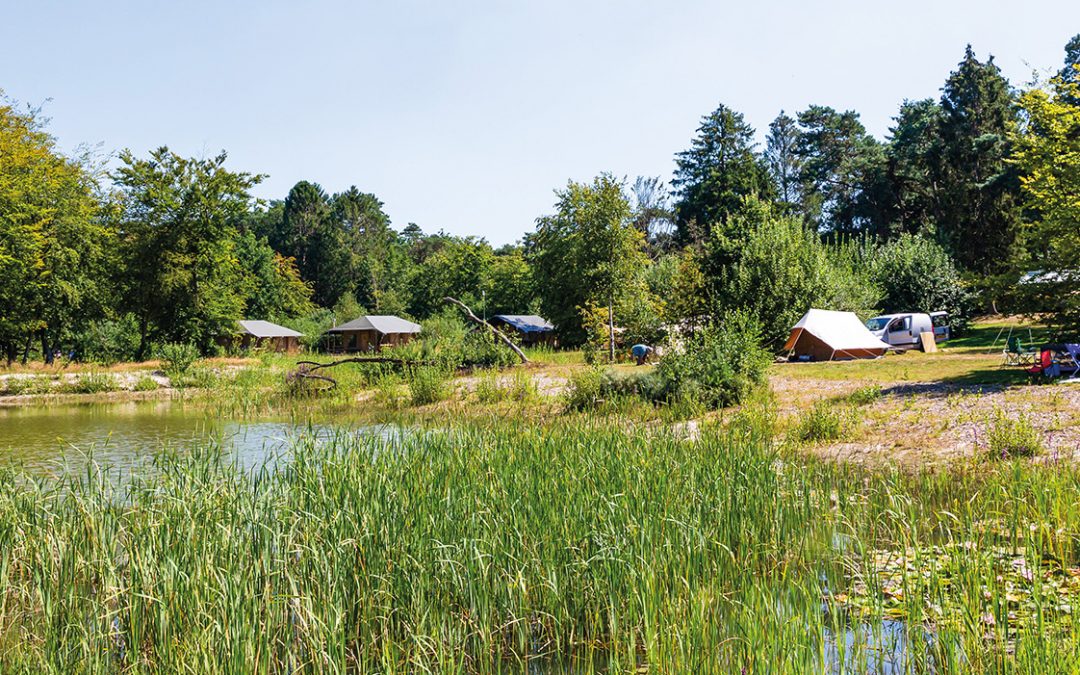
641	353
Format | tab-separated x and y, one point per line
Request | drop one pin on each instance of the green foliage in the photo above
720	366
519	388
1048	158
915	274
841	172
865	395
179	219
428	385
273	288
717	173
979	202
1012	436
825	421
107	341
776	268
54	243
589	252
145	383
584	389
196	378
177	358
90	383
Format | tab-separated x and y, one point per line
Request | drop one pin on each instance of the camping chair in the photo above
1015	354
1045	365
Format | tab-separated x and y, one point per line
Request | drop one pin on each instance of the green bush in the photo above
107	342
90	383
825	421
865	395
388	391
145	383
177	358
522	387
1008	437
488	389
917	275
427	384
718	367
776	267
196	378
584	389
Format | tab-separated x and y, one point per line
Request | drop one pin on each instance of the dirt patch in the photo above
927	423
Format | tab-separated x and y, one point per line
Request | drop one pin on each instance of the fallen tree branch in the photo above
305	370
477	320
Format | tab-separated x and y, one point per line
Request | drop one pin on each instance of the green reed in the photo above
569	547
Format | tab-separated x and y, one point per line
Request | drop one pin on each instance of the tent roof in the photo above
378	322
265	329
526	323
840	330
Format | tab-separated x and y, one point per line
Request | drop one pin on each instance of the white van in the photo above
902	330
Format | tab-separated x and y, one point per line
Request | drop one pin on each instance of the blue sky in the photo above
465	116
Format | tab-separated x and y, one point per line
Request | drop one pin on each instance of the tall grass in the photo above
501	547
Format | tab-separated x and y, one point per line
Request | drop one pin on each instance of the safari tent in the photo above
532	329
825	335
266	335
370	334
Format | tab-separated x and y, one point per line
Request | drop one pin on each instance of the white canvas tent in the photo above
825	335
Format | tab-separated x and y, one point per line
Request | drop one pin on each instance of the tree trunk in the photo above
26	349
45	350
611	329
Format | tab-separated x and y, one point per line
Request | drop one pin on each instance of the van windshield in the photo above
878	323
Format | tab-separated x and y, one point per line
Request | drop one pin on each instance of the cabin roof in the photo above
526	323
265	329
380	323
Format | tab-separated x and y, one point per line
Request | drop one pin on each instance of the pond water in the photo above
127	436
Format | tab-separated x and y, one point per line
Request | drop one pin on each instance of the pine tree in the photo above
979	212
718	171
781	157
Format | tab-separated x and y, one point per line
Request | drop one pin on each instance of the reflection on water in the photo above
45	439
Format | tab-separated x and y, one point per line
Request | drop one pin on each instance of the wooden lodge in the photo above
265	335
370	333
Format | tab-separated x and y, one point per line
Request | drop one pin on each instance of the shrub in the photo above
522	387
825	421
488	389
776	267
865	395
145	383
720	366
427	384
584	389
1008	437
107	342
388	391
917	275
177	357
90	383
196	378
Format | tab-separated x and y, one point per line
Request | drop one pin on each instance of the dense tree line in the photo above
968	190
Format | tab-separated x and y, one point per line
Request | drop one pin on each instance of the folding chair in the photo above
1045	365
1015	354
